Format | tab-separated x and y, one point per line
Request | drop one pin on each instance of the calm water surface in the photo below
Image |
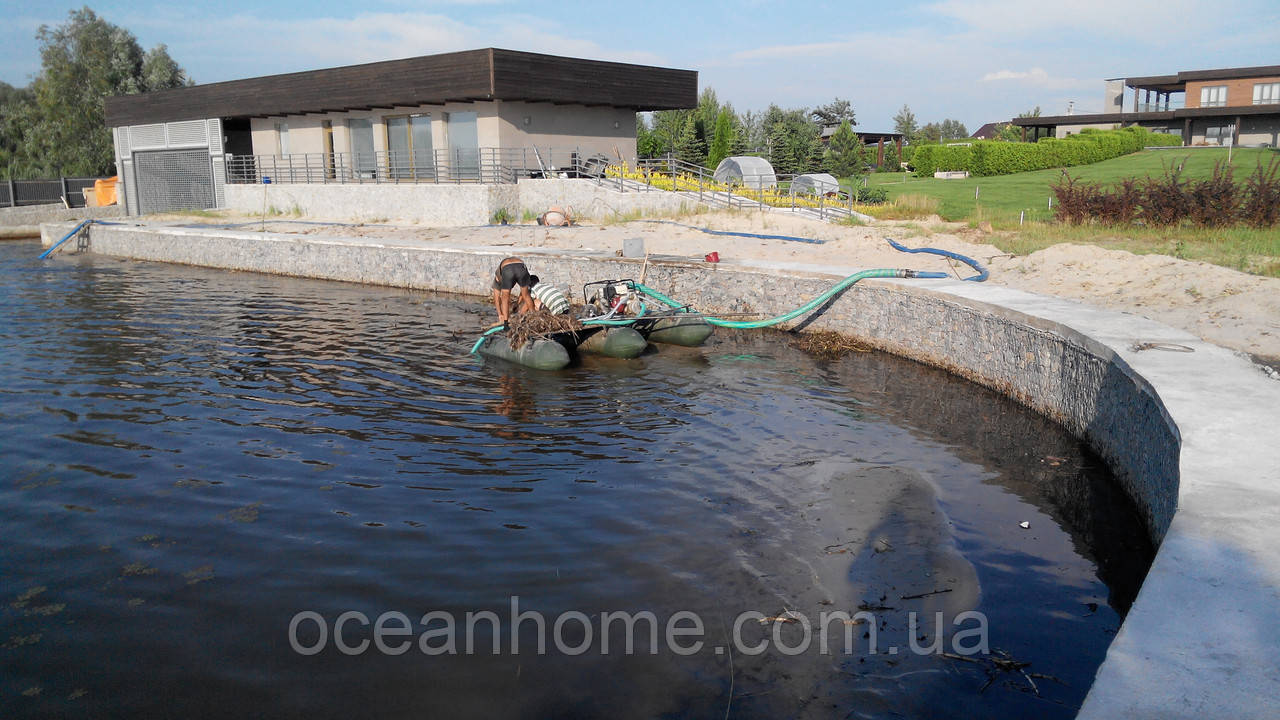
191	458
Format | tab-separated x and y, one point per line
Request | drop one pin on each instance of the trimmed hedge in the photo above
989	157
929	159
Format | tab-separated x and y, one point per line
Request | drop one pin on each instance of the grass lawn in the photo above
1001	199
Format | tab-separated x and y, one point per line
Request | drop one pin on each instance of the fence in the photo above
15	193
479	165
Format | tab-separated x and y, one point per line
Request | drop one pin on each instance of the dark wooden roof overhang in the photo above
468	76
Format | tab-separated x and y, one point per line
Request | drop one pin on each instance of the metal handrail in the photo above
480	165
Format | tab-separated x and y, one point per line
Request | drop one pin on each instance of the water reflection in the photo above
197	456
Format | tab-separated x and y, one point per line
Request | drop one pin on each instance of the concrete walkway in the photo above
1184	423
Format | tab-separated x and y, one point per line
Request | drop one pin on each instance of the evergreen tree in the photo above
689	147
904	123
722	139
844	156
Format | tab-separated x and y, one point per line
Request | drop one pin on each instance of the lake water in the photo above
215	486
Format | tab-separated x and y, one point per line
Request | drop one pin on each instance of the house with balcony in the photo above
1240	106
478	116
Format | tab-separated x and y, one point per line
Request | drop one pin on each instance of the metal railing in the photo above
481	165
16	193
1161	106
750	192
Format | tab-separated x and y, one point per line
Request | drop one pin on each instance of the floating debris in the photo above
538	325
826	344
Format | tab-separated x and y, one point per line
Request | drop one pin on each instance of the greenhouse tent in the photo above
752	172
814	184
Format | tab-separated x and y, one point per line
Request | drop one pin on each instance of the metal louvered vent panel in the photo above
122	141
215	137
174	180
219	181
187	134
143	137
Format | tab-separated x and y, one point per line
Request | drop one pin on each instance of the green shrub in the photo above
989	157
929	159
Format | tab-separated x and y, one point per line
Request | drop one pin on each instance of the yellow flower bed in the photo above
683	182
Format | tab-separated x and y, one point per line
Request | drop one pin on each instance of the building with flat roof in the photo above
1205	107
472	116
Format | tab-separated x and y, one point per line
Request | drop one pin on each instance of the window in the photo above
1266	93
409	152
1219	134
1213	96
282	137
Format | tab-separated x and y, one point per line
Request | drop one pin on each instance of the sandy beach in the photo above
1226	307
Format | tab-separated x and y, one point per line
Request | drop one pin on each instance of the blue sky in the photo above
972	60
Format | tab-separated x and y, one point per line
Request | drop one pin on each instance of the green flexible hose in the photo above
807	307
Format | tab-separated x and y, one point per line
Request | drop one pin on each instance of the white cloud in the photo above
1036	76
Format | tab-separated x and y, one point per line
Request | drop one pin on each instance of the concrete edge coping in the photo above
1216	561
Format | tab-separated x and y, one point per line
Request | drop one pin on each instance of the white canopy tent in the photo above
814	184
752	172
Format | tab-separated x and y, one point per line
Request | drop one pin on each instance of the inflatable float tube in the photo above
689	331
537	354
618	342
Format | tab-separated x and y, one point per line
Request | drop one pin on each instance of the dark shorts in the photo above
510	275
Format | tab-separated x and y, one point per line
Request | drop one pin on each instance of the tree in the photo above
61	130
1008	132
722	139
1034	112
648	144
953	130
930	133
833	113
844	157
689	147
667	125
904	123
792	140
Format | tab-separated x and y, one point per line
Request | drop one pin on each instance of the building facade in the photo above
473	116
1239	106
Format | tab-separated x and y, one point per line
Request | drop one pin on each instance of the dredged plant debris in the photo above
826	344
538	325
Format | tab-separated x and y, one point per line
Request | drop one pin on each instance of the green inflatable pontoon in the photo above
618	342
679	329
538	354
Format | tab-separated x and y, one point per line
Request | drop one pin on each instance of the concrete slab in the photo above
1193	436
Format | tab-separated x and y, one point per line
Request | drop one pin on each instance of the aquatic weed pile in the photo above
826	344
538	325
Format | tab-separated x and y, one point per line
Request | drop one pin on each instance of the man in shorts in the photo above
511	274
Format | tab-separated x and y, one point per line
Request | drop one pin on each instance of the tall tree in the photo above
845	154
721	140
904	123
62	131
930	133
1034	112
953	130
689	147
833	113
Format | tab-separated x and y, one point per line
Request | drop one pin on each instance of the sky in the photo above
975	61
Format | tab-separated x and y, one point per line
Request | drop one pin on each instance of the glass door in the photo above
409	147
363	158
464	146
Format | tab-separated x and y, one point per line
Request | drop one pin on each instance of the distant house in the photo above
878	139
988	131
473	116
1204	107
